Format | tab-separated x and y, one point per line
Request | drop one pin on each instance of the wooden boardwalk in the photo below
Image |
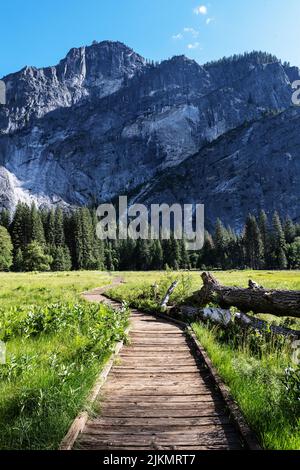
158	395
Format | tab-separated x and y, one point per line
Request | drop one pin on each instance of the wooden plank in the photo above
156	343
156	355
156	359
147	363
165	438
157	390
159	338
167	432
174	423
159	413
147	348
160	332
157	366
176	374
141	430
146	384
186	398
151	327
214	401
148	389
160	369
111	447
75	429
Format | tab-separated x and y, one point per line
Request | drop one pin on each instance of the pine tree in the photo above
221	240
50	232
5	218
18	263
294	254
238	253
232	260
157	255
278	244
127	255
253	244
59	235
263	225
184	255
44	213
6	249
37	229
115	244
61	259
35	259
289	230
171	249
20	228
278	233
206	257
69	230
84	240
281	259
98	245
142	255
109	260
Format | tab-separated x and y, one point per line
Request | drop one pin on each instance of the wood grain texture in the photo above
158	395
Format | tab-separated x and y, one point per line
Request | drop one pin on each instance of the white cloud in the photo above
177	37
192	31
209	20
186	31
201	10
194	45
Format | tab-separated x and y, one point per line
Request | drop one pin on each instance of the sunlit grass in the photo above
285	280
49	374
257	385
40	288
53	374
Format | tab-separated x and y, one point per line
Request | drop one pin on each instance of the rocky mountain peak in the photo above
103	122
86	72
106	58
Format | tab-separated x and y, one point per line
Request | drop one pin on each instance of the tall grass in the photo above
57	344
20	289
257	378
54	353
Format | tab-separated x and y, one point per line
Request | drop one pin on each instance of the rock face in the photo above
105	122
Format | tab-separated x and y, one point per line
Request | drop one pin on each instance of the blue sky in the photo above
40	32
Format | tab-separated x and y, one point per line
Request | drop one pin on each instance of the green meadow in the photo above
57	343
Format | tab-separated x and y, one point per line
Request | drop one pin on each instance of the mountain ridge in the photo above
105	122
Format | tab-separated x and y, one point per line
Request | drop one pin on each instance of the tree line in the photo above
43	240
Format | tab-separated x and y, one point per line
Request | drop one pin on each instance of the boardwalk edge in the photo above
81	419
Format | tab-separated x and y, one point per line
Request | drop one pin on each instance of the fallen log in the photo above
281	303
247	321
225	318
166	298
